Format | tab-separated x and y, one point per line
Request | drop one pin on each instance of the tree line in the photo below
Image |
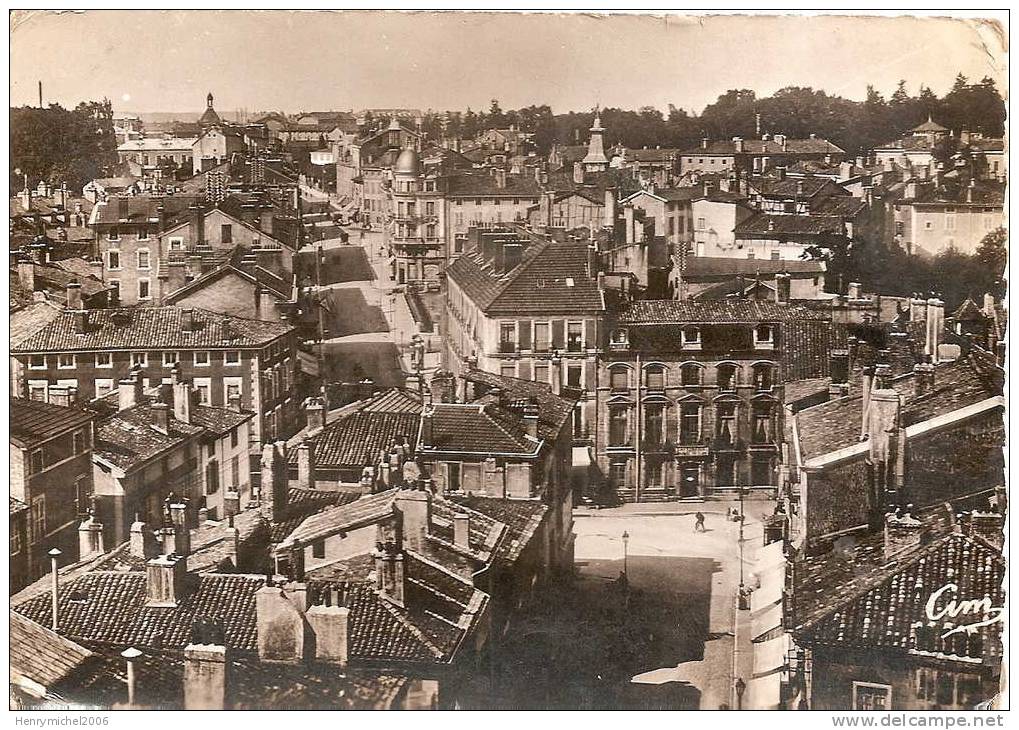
795	111
60	145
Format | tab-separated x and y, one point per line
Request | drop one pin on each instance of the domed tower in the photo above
406	232
209	117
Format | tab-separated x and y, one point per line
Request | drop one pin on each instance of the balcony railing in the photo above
507	347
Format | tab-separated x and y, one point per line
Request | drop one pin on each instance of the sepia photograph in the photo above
510	360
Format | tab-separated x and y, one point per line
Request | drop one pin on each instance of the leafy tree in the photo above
62	146
992	255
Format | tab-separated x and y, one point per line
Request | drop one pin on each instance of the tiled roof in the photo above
767	147
142	208
540	284
394	400
109	608
151	328
521	517
483	184
789	187
670	311
968	311
843	206
256	275
885	614
657	154
837	424
128	439
218	420
712	266
553	410
910	144
929	126
355	440
40	655
33	422
364	511
301	504
764	224
478	428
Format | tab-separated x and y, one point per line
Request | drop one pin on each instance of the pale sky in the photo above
146	61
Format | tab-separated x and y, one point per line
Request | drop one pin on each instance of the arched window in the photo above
690	374
654	377
727	376
762	426
763	376
619	378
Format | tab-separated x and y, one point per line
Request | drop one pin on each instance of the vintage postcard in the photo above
374	360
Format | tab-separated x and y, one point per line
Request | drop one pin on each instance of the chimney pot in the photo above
461	529
166	575
161	417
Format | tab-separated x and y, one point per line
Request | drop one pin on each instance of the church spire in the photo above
596	161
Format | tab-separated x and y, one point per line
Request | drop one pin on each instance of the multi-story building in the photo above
51	475
152	246
151	445
914	150
149	156
216	145
484	199
935	218
690	395
416	240
757	155
224	356
525	307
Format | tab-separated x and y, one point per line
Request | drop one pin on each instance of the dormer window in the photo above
764	336
619	339
691	338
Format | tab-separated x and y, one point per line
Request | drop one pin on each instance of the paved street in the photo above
687	582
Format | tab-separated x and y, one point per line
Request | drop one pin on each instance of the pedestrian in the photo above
699	524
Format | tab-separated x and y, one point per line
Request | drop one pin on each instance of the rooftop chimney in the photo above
578	173
143	542
161	417
182	536
129	391
274	477
500	178
866	386
704	143
923	377
182	397
531	419
903	533
331	628
166	577
279	618
461	529
90	536
415	509
783	288
131	655
122	209
935	325
315	414
26	273
592	260
738	144
389	573
74	301
305	466
427	419
205	677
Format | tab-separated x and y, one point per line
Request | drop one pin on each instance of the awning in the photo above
770	656
764	693
308	363
769	619
769	556
768	594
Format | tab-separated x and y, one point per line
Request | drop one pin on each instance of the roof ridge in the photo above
409	625
881	575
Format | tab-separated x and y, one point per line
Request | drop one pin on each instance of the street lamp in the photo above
741	687
626	543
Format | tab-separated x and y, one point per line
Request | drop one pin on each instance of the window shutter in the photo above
590	333
671	417
525	334
524	373
590	372
558	334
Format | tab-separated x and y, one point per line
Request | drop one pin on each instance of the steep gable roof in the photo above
552	278
33	422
